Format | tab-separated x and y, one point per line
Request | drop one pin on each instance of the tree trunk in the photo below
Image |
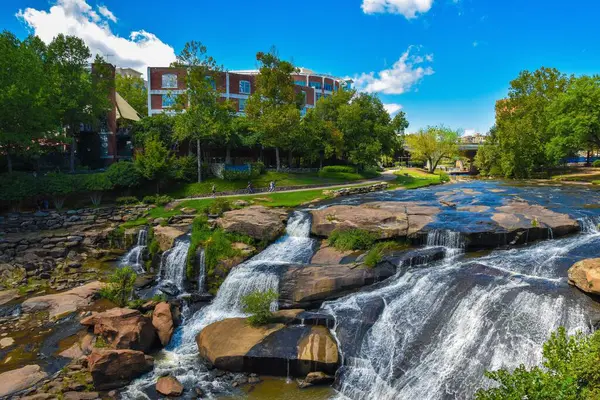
587	161
72	157
199	158
321	160
277	160
228	155
9	162
290	158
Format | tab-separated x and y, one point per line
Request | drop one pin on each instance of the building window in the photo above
212	82
242	105
303	111
168	100
329	86
245	87
300	83
169	81
316	85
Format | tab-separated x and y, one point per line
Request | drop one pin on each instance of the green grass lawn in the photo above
578	175
411	178
282	179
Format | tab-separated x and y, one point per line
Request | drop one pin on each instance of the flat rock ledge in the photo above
585	275
61	304
258	222
275	349
14	381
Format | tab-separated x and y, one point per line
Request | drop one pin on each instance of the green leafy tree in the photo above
155	162
123	175
120	286
157	126
205	116
569	371
25	116
274	107
76	97
432	145
133	90
258	305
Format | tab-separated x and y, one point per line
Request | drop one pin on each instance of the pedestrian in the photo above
272	186
249	188
214	190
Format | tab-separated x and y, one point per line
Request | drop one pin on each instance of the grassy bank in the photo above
412	178
578	175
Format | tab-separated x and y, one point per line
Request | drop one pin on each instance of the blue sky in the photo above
442	61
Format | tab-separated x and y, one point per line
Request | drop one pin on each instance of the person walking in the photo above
214	190
249	187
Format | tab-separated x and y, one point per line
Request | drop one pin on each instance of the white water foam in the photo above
135	257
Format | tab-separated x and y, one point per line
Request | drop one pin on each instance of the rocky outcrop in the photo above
124	329
6	296
258	222
385	219
585	274
522	215
165	236
169	386
316	378
329	255
23	378
357	190
61	304
111	369
162	319
274	349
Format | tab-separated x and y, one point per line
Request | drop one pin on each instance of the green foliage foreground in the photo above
569	371
119	289
352	239
258	304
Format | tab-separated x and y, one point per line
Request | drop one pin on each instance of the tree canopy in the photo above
133	90
433	144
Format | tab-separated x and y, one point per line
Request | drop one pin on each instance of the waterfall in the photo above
173	266
135	257
433	331
201	270
260	273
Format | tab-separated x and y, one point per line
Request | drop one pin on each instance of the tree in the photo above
204	115
575	118
24	119
155	162
274	107
76	97
432	145
569	372
157	126
133	90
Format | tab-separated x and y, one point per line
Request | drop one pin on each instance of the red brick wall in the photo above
156	74
156	101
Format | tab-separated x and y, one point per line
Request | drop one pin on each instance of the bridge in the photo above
468	150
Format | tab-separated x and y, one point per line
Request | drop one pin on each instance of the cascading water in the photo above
135	257
431	332
201	270
260	273
173	266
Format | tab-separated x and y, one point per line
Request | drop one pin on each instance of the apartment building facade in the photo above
165	83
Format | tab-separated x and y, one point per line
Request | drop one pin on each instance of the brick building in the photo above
164	83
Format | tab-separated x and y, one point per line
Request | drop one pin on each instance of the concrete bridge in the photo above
468	150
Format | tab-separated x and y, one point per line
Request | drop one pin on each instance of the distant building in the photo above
165	83
128	72
476	138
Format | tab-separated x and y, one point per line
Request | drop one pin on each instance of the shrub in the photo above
119	290
339	168
569	371
236	175
258	168
123	174
159	199
219	206
127	200
59	186
375	255
94	184
352	239
18	186
258	304
185	169
444	177
596	164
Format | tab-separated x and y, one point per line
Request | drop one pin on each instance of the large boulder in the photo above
169	386
274	349
162	319
522	215
165	236
6	296
585	274
124	329
386	219
64	303
258	222
23	378
329	255
111	369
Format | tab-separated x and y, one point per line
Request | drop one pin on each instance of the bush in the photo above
352	239
127	200
375	255
596	164
258	304
569	371
236	175
219	206
185	169
119	290
59	186
94	184
444	177
123	174
18	186
258	168
158	199
339	168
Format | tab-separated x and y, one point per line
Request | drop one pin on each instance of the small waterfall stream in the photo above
173	267
134	258
201	271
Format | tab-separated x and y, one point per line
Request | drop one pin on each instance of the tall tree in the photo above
76	97
25	117
155	162
575	118
205	116
274	107
433	144
133	90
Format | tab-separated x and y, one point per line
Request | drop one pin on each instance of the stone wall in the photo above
359	190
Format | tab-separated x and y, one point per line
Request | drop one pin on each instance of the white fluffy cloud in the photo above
408	8
392	108
78	18
408	71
